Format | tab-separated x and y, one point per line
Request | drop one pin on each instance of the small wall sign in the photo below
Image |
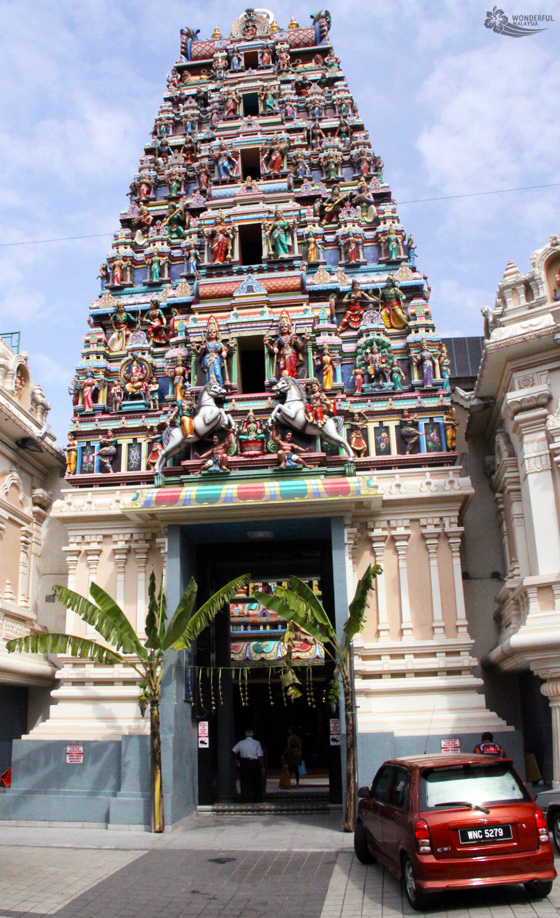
74	755
451	744
203	738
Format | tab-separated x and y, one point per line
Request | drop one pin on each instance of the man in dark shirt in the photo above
487	746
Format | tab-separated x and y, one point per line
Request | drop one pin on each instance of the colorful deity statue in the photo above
358	379
204	177
334	204
135	373
156	323
316	136
319	407
176	221
351	248
179	375
289	453
123	324
451	426
71	450
221	240
153	392
226	162
107	450
267	98
217	456
156	450
409	430
426	360
392	241
376	365
274	158
89	386
231	107
444	368
354	301
358	441
344	132
279	234
363	199
328	363
392	300
314	249
183	415
116	396
396	375
251	438
287	348
214	353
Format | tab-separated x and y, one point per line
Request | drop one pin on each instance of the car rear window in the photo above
470	784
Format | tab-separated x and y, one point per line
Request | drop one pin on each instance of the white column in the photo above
72	555
26	536
401	537
431	532
454	534
141	549
536	470
551	690
378	539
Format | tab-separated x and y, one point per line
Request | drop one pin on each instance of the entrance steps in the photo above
277	804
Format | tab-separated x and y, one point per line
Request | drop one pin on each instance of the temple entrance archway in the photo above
238	674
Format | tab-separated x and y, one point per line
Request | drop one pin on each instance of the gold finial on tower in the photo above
274	27
293	24
216	33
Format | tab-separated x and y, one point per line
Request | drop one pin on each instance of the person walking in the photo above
292	756
487	746
250	755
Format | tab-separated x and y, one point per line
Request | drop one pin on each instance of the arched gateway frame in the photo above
217	691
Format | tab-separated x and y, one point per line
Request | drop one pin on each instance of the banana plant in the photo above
298	603
149	657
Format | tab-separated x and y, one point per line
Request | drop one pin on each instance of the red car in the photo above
447	821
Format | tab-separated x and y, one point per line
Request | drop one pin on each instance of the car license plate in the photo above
482	835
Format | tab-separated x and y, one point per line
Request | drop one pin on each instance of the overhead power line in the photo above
447	197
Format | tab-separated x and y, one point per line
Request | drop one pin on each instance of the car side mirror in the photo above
363	792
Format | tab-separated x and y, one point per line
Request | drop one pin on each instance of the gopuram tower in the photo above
262	388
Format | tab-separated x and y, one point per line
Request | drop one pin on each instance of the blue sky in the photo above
452	108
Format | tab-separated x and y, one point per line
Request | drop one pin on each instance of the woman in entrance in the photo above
292	755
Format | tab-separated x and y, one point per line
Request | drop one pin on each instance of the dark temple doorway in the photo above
250	244
239	683
251	375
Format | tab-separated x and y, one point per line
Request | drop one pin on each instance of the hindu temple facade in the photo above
262	388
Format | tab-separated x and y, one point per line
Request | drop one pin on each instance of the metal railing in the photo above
11	339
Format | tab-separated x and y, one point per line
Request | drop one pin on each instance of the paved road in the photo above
273	867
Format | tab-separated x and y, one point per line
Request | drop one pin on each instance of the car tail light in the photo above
542	828
422	836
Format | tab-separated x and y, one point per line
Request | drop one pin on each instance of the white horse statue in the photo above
291	412
208	418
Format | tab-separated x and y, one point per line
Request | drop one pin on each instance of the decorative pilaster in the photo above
93	553
141	548
431	530
401	537
454	535
351	537
120	552
162	545
72	553
378	539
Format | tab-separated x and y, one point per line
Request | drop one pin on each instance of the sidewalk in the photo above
219	867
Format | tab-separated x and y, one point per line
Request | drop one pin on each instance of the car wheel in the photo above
556	831
363	853
416	898
538	889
